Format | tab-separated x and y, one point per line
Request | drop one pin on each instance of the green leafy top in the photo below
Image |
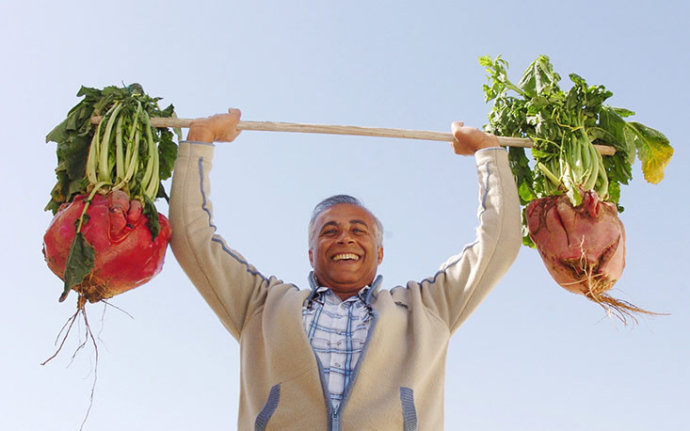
564	126
91	156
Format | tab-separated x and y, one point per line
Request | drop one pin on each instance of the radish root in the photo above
594	288
61	338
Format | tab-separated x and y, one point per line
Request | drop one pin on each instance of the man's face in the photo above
344	252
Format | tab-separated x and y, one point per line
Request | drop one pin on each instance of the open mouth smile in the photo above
351	257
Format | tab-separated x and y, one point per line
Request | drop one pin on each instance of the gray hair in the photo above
344	199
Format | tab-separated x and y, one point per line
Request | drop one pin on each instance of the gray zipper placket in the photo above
334	417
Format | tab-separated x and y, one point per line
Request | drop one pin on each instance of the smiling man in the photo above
344	354
345	245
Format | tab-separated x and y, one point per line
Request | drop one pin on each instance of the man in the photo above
345	354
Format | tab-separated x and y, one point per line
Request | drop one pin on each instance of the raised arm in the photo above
231	286
465	279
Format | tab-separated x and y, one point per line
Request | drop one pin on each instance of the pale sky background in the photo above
532	357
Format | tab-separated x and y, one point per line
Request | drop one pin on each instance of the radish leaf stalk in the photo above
86	157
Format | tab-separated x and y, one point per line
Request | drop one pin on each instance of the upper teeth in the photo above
344	256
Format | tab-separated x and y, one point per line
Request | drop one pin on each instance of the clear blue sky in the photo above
532	357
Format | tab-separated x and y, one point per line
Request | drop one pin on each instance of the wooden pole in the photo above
272	126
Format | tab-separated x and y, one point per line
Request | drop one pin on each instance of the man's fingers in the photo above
216	128
234	118
235	112
459	144
467	140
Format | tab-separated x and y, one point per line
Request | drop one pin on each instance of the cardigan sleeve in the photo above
465	279
233	288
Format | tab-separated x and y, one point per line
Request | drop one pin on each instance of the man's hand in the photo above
217	128
469	139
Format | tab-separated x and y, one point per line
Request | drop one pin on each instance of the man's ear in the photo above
311	258
379	254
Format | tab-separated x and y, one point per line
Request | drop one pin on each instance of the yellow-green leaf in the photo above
653	150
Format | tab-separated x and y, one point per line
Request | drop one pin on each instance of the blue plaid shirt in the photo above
337	331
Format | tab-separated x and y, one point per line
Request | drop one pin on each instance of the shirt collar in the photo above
364	293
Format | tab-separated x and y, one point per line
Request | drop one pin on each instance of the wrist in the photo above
200	134
491	141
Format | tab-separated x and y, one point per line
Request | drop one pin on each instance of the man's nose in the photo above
345	238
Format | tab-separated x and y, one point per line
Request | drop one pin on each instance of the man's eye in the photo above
329	232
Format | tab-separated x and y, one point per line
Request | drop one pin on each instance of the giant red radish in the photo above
106	236
583	247
569	192
125	255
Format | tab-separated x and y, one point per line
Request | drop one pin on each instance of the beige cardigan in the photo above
398	383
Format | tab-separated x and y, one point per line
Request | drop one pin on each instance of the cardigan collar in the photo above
365	293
